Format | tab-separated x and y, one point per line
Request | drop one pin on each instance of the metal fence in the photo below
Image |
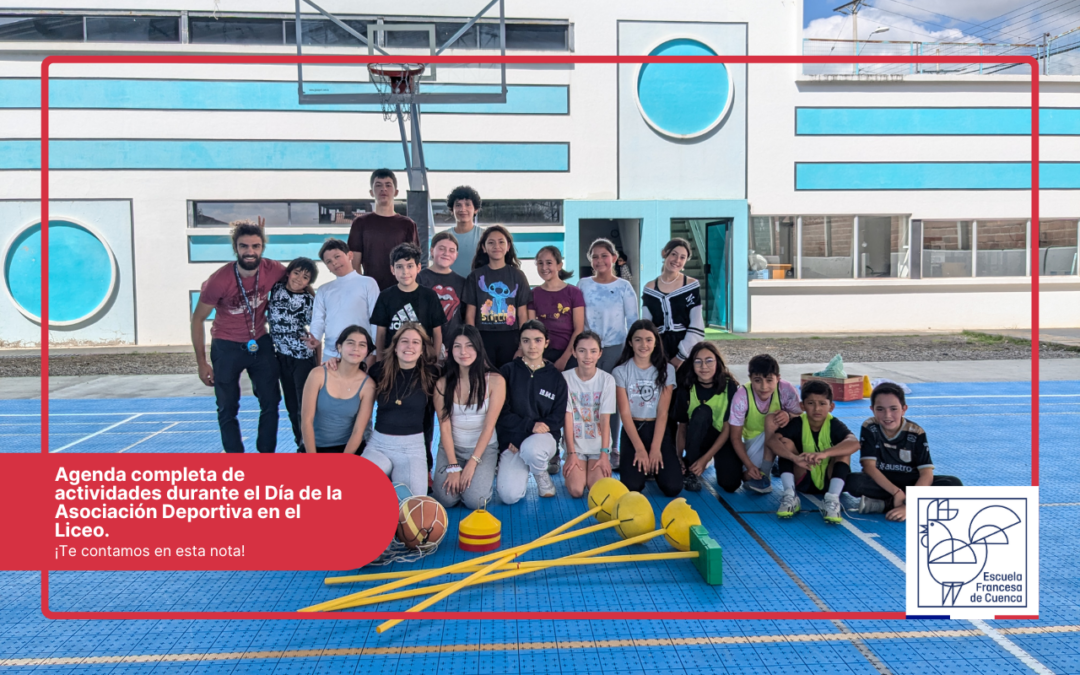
1057	57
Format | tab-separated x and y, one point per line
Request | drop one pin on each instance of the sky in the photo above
999	21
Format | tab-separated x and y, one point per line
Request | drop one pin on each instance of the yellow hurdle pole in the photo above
531	566
589	554
475	576
431	574
379	576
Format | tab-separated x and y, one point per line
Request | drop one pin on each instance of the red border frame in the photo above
380	616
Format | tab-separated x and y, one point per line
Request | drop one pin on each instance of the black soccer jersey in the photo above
907	452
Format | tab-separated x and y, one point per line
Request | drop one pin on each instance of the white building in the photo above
890	200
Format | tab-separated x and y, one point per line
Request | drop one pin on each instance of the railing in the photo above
1057	57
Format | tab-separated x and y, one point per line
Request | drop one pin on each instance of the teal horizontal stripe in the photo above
281	155
934	176
117	94
204	248
934	121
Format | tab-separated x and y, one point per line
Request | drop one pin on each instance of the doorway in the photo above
710	263
625	233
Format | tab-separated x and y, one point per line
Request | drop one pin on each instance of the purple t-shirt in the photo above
556	310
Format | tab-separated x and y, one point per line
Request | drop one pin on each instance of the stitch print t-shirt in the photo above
641	389
496	294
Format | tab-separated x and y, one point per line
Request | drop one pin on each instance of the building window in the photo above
883	246
284	214
772	238
1000	248
234	30
132	29
326	33
536	37
507	211
827	247
946	248
41	28
1057	247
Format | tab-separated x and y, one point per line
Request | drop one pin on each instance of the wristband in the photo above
474	458
452	468
606	451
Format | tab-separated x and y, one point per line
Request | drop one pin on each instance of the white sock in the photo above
788	480
836	486
766	467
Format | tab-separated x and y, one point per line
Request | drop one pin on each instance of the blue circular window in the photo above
81	272
683	100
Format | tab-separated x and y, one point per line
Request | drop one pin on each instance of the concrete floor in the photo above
157	386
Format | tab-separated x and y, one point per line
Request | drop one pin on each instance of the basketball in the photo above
403	492
605	492
676	519
635	508
421	522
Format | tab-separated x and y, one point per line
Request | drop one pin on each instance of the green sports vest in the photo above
718	403
824	442
754	424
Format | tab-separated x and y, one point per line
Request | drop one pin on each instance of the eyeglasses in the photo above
704	362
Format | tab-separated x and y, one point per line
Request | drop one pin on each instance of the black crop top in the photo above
402	408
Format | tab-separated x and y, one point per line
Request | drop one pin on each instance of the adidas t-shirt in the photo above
395	307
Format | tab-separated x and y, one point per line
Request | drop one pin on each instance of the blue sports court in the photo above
979	432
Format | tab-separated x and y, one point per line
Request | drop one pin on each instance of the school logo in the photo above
973	552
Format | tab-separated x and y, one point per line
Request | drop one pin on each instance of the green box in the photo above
710	560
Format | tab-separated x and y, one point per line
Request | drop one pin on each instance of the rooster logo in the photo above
955	562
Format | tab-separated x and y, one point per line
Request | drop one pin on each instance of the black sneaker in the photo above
691	482
776	468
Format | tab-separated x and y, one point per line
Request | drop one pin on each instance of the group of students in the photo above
511	374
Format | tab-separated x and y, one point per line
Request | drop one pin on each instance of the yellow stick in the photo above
431	574
379	576
472	578
589	554
526	568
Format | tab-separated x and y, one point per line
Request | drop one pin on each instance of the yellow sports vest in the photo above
754	424
824	442
718	403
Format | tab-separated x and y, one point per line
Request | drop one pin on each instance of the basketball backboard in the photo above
423	42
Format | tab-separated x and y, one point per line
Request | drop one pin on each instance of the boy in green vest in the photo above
766	403
815	452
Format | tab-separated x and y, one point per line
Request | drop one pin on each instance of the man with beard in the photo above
238	292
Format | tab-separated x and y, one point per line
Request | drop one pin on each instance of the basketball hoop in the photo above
396	84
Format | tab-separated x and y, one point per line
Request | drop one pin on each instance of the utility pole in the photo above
853	8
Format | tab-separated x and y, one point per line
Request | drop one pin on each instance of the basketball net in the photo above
397	84
397	551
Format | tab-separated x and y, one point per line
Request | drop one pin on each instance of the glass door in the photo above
718	273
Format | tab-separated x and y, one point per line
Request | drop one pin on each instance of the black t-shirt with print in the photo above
907	452
497	294
395	307
449	288
289	315
792	431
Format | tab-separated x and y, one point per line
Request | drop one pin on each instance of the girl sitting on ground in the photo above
468	400
643	384
589	405
405	376
531	421
702	408
337	402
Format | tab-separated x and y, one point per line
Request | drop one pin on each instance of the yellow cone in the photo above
866	388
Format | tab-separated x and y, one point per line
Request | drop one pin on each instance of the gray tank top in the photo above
335	417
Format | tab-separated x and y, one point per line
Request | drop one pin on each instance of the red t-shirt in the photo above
231	320
374	236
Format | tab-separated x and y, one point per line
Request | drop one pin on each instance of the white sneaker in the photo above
830	509
790	504
544	485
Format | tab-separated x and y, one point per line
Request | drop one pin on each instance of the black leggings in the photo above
700	435
500	345
669	479
860	484
806	486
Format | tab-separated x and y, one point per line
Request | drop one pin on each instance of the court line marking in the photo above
1002	641
529	646
96	433
1062	504
151	436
